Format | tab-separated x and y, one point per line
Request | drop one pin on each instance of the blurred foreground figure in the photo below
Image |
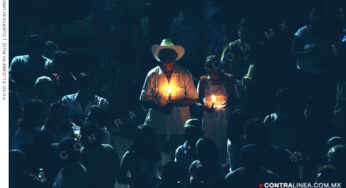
141	161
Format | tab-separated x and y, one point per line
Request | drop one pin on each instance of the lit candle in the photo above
213	100
169	89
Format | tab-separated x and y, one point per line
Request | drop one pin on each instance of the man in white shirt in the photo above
168	90
25	69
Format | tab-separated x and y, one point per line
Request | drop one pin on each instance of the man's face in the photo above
167	67
213	69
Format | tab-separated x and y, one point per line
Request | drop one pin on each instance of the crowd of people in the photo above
227	105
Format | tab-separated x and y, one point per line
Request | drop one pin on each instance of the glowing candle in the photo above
169	89
213	100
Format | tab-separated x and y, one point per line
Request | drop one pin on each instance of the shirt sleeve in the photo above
15	68
300	32
190	90
199	82
146	93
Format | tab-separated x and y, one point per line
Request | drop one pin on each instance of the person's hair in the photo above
249	155
144	134
171	172
335	140
42	80
91	135
193	133
326	173
206	150
50	46
193	129
31	111
194	122
167	55
337	155
212	62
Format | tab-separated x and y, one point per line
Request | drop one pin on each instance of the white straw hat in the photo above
166	43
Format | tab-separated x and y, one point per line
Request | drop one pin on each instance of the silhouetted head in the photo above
34	45
193	130
206	151
249	156
167	59
87	84
49	49
62	61
97	116
213	67
57	115
335	140
167	55
44	87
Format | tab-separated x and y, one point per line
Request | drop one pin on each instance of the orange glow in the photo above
214	101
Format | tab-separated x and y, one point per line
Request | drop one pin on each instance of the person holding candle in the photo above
217	92
168	91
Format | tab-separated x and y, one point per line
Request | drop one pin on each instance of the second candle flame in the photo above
213	98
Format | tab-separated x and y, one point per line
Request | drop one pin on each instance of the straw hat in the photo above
166	43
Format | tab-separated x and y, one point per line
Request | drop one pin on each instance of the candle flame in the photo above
213	98
169	89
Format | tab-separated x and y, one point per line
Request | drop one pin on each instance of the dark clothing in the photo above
185	155
72	176
201	176
102	163
243	178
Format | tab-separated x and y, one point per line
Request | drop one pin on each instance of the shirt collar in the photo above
176	69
